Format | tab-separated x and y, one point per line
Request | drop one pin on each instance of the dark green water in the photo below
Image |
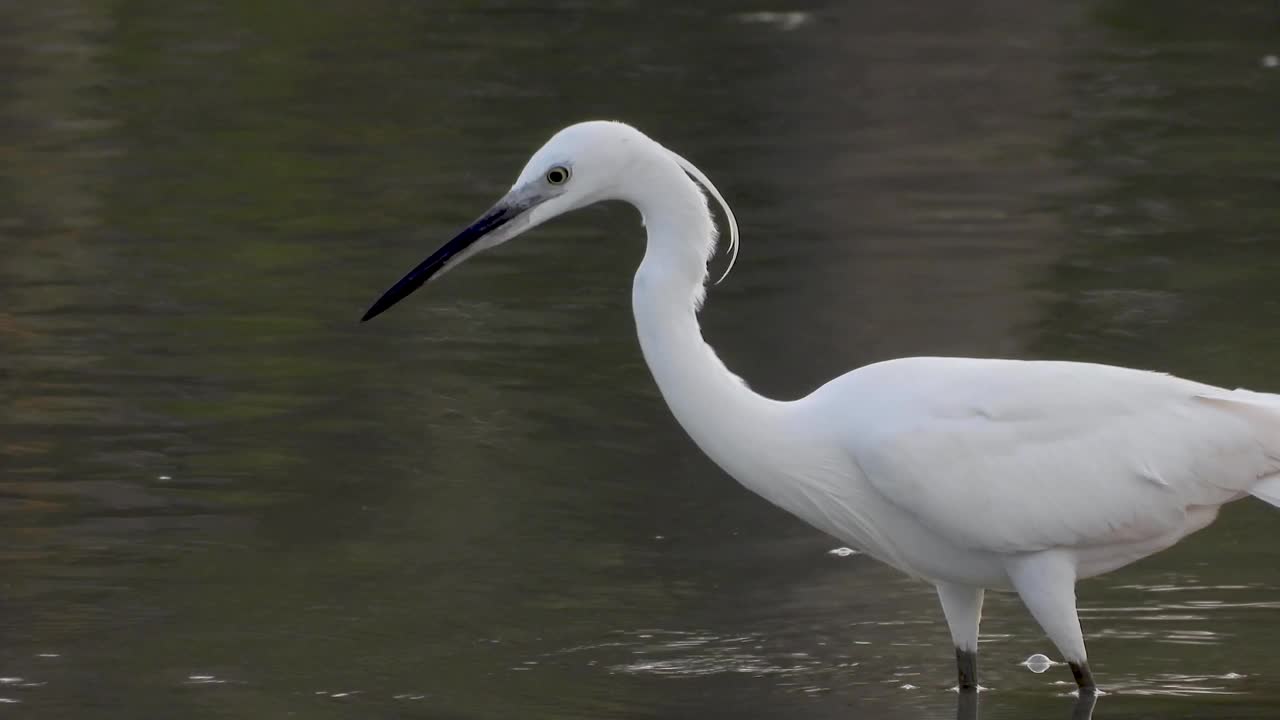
222	497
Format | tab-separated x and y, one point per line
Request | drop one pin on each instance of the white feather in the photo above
1007	456
705	182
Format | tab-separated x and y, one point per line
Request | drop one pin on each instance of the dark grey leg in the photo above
1084	678
967	664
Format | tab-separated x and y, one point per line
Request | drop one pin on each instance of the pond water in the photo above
222	496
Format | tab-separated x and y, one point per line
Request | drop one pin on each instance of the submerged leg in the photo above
1083	709
967	706
1046	582
962	606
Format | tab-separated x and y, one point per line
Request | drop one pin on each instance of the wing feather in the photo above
1013	456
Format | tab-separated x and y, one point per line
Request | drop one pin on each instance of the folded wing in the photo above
1010	456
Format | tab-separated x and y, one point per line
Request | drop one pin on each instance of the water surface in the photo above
221	496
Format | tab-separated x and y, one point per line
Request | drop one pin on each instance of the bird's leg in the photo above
1046	583
967	664
962	606
1084	678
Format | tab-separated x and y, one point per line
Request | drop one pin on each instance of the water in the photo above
221	496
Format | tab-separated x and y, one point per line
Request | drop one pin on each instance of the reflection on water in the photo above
968	707
220	496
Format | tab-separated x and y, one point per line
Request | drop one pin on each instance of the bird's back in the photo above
1009	456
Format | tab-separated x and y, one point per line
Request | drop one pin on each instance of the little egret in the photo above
966	473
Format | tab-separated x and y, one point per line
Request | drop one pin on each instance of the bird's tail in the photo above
1264	408
1268	489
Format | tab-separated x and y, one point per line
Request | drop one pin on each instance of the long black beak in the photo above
501	214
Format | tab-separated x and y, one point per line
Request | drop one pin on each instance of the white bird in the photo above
966	473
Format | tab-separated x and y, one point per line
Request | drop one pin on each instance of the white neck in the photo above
732	424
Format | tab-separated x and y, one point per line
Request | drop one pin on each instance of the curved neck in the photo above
722	415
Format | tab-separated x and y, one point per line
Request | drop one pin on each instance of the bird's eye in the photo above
558	175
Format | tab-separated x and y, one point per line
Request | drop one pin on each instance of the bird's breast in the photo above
826	489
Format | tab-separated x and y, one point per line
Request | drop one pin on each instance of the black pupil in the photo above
556	176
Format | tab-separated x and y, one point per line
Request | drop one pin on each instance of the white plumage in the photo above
966	473
1005	456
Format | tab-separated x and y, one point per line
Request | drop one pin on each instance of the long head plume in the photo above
710	187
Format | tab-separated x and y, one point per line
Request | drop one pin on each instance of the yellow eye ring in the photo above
558	175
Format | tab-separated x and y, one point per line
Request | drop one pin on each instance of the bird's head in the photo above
582	164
